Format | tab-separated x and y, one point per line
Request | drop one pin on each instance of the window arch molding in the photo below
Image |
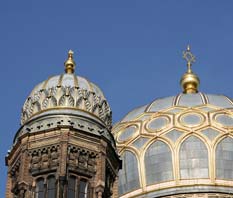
219	139
164	140
199	136
49	186
209	147
78	186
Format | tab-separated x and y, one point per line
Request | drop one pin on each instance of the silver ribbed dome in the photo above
66	91
177	145
66	100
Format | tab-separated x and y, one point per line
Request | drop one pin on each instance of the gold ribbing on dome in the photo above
70	64
189	80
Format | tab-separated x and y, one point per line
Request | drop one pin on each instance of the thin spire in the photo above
69	63
189	80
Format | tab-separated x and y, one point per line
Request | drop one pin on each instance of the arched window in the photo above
224	159
82	190
51	189
128	175
158	163
40	189
193	159
71	187
77	189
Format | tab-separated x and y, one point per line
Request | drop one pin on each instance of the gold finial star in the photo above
70	64
189	57
189	81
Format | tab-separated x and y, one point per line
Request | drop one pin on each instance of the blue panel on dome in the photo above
133	114
224	159
144	117
225	120
128	175
139	143
158	123
191	119
161	104
127	133
175	110
190	100
210	133
206	109
174	135
193	159
158	163
219	101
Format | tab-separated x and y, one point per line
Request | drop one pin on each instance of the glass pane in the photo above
71	193
71	187
51	187
135	113
161	104
127	133
190	100
219	101
139	143
40	188
82	189
51	193
128	175
158	123
174	135
224	159
158	163
210	133
193	159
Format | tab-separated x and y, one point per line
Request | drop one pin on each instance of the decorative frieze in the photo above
80	159
44	159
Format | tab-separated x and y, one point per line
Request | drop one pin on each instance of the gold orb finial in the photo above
70	64
189	80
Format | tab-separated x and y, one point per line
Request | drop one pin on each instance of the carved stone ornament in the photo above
81	159
14	174
44	159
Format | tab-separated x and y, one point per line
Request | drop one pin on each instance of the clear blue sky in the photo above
131	49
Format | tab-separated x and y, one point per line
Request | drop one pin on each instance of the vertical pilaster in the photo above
62	174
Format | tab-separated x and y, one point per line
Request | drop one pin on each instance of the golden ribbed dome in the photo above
178	144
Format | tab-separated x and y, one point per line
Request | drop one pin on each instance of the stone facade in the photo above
61	152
